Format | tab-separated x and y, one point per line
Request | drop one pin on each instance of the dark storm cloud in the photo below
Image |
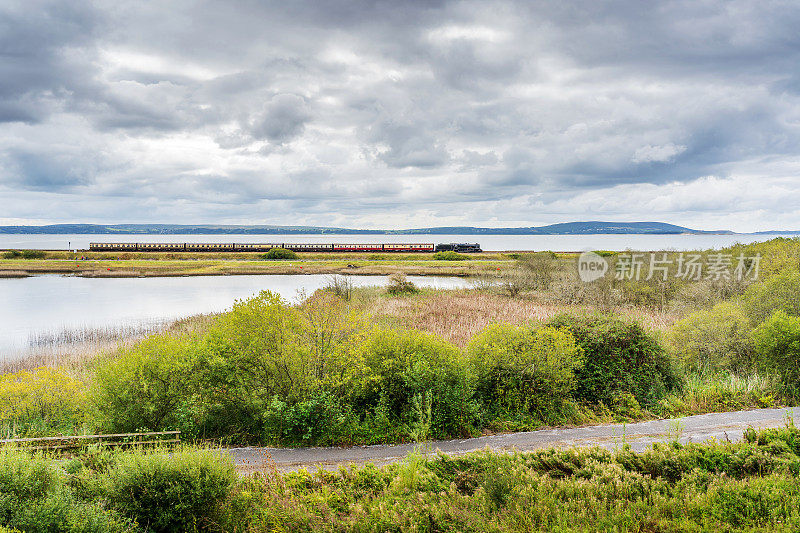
371	111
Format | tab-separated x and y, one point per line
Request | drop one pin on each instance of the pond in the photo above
48	310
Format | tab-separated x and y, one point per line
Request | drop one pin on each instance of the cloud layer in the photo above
382	113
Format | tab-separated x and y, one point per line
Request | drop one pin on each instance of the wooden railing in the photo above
79	441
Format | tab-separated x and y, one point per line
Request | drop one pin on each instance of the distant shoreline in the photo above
565	228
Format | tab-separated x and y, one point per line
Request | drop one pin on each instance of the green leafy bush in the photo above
526	372
777	343
252	354
450	256
33	254
35	497
714	340
418	379
166	492
41	402
778	293
619	357
146	385
398	284
279	253
25	254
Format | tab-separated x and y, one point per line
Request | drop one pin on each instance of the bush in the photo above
417	379
778	293
146	385
41	402
35	498
449	256
279	253
179	491
25	254
250	355
534	271
777	343
524	372
341	286
399	285
619	357
33	254
321	420
714	340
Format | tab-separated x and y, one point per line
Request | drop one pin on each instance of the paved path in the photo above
720	426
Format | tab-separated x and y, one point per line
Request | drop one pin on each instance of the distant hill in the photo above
570	228
567	228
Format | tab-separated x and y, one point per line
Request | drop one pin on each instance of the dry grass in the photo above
458	315
13	274
74	350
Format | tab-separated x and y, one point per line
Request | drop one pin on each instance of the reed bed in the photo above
75	348
458	315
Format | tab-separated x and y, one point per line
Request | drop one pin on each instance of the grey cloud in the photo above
385	106
282	119
36	63
48	171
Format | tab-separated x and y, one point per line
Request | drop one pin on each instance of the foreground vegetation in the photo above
746	486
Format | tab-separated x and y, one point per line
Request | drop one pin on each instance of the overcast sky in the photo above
400	113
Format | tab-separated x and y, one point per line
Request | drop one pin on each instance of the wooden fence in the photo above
79	441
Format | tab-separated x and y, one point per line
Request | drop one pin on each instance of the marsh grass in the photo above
458	315
76	349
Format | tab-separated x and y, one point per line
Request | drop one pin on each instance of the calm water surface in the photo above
560	243
48	305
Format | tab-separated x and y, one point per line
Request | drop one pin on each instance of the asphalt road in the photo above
640	435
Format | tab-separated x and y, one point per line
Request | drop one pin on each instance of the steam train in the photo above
264	247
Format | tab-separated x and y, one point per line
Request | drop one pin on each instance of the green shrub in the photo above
33	254
279	253
320	420
34	497
25	254
619	357
417	379
450	256
41	402
778	293
170	492
146	386
398	284
777	343
714	340
523	371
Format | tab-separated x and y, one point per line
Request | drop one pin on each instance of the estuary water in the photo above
557	243
42	311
